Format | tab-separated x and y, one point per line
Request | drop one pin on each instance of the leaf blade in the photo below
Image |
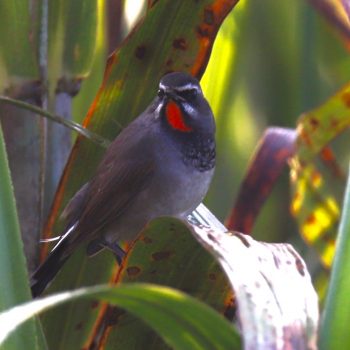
334	332
12	274
154	304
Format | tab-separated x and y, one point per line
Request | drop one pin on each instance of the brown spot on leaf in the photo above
133	270
305	137
297	196
311	219
180	44
212	276
157	256
298	263
140	52
78	326
277	262
300	266
113	314
212	238
327	154
314	123
169	62
147	239
346	99
203	32
94	304
151	3
334	122
208	17
328	157
242	239
230	308
316	178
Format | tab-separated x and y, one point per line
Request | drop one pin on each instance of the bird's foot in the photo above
97	245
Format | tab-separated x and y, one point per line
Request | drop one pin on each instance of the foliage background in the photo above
271	62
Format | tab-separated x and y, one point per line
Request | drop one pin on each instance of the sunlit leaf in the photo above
317	180
263	276
346	5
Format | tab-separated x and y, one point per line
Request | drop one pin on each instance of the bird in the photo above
161	164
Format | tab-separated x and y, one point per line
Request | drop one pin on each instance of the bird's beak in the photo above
172	95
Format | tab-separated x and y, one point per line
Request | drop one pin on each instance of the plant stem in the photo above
101	141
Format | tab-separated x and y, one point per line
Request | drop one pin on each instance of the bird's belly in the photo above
170	194
179	195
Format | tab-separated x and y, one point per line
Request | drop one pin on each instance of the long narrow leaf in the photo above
17	40
13	274
335	326
183	322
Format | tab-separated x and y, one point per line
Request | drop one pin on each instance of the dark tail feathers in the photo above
48	269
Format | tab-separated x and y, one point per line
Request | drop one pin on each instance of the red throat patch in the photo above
175	117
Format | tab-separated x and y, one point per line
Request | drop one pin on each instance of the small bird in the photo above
161	164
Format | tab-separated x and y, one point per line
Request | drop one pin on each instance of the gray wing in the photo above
125	171
75	206
109	196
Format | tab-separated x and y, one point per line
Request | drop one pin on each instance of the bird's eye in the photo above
189	94
161	93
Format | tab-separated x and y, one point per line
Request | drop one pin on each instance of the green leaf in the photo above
165	253
317	179
183	322
72	37
17	60
81	21
334	331
13	274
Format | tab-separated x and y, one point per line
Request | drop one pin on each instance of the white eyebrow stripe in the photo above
189	86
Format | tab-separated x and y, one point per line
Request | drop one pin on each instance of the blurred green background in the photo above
271	62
